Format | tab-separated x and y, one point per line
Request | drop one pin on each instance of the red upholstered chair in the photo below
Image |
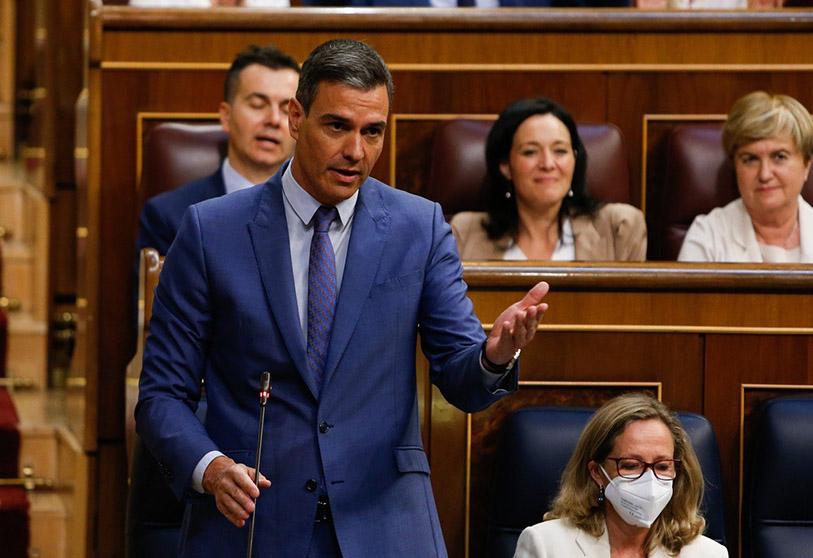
14	505
176	153
458	168
699	177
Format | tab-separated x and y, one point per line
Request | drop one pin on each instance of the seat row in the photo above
699	176
536	443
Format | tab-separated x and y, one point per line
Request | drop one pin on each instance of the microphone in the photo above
265	393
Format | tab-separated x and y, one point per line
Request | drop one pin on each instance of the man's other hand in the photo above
232	485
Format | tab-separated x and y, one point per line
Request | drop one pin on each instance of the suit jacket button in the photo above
323	427
311	485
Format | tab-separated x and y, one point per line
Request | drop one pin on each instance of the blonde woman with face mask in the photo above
632	489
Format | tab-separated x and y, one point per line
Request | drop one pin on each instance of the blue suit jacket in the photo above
225	310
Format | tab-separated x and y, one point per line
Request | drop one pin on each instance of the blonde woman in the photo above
632	488
769	138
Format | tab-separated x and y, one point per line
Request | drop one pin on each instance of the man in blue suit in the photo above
254	112
324	277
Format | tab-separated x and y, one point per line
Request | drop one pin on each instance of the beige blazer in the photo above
558	538
617	232
727	234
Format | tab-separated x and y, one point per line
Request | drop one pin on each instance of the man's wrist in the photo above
492	366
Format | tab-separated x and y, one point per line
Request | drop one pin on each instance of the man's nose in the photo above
273	116
354	148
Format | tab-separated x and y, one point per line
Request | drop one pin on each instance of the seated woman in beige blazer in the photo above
632	488
539	208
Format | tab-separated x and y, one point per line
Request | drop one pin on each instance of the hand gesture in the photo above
516	326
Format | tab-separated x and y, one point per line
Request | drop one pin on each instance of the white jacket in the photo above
558	538
727	234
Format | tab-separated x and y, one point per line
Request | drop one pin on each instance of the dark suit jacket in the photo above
225	310
162	214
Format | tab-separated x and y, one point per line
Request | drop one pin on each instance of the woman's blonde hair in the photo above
679	523
760	115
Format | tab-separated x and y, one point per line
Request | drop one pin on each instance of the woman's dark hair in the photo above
502	211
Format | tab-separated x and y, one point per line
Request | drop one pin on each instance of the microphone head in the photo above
265	387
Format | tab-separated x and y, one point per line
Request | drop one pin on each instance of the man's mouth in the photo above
345	175
267	140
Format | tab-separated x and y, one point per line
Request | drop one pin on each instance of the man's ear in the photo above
296	114
505	169
225	114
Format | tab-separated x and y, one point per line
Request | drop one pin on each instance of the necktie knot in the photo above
325	215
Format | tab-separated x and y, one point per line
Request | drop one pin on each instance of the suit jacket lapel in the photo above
269	238
593	547
370	226
588	242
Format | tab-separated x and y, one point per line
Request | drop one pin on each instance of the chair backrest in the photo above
699	177
778	506
457	172
536	444
176	153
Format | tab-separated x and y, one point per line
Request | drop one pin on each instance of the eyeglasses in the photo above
632	468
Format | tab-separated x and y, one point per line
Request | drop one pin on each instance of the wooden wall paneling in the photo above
7	42
23	82
63	247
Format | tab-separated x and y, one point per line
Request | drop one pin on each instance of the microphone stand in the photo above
265	392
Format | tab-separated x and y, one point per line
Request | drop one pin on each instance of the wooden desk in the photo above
624	66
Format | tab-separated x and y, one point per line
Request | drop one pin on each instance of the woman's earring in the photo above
601	497
570	193
508	194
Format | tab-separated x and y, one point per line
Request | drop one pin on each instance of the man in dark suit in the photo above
254	111
326	278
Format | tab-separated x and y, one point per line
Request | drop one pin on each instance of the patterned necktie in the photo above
322	292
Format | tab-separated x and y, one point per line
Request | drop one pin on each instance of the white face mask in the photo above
639	502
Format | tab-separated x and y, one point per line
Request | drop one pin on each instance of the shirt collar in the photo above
305	205
233	180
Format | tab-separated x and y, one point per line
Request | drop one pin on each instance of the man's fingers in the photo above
264	482
535	295
244	479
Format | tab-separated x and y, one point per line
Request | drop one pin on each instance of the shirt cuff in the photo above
200	468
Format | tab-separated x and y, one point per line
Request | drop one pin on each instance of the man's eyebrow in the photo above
330	117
